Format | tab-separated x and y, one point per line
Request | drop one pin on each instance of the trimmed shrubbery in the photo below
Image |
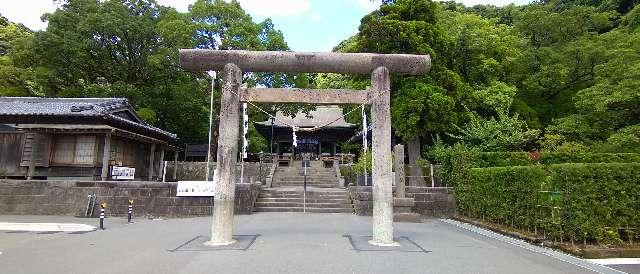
584	202
582	197
457	159
566	157
498	159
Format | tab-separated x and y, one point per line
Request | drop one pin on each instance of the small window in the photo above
64	149
69	149
85	149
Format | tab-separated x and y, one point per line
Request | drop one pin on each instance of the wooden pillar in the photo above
175	165
106	156
381	149
319	149
161	163
224	195
33	157
399	166
150	169
335	149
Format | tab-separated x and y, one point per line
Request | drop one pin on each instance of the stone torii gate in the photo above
234	62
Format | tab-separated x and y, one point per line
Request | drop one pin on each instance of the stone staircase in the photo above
317	175
290	199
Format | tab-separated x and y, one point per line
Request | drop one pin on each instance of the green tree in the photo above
14	79
472	57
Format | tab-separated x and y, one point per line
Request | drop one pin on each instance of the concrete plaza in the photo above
275	243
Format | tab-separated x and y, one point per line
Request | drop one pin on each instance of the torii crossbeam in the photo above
233	62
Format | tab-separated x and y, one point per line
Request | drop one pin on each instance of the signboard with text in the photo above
195	188
123	173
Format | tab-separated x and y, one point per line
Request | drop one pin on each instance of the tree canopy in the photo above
515	77
550	75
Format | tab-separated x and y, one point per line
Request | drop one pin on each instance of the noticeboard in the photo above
122	173
195	189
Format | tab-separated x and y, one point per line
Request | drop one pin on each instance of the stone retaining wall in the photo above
195	171
150	198
428	201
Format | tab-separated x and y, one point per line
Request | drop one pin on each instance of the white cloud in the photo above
275	8
179	5
27	12
316	17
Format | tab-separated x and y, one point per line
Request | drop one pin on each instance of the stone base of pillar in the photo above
210	243
394	243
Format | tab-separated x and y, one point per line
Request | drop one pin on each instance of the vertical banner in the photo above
245	129
364	129
365	148
295	137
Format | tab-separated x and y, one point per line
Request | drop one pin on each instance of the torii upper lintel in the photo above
287	61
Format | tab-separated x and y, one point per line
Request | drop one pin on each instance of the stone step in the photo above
300	183
332	191
299	190
308	185
301	169
293	171
300	209
300	200
309	182
301	180
315	175
312	205
300	176
300	196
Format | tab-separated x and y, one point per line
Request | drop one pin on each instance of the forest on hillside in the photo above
559	75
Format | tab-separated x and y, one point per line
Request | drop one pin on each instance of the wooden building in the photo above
79	138
316	143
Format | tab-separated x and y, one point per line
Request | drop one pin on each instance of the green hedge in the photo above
500	159
565	157
590	202
456	160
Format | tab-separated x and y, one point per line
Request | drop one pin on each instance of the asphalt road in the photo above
287	243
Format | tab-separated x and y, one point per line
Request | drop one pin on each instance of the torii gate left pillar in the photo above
225	191
378	65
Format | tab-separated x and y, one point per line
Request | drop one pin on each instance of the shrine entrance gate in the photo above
234	62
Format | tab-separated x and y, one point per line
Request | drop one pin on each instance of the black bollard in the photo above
102	207
130	212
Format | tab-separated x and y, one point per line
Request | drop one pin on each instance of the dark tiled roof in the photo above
99	108
318	117
60	106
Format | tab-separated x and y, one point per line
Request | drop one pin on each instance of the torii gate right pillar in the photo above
381	149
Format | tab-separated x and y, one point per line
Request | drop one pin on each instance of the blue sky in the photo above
308	25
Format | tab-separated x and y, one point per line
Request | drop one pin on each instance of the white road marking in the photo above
61	227
615	261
